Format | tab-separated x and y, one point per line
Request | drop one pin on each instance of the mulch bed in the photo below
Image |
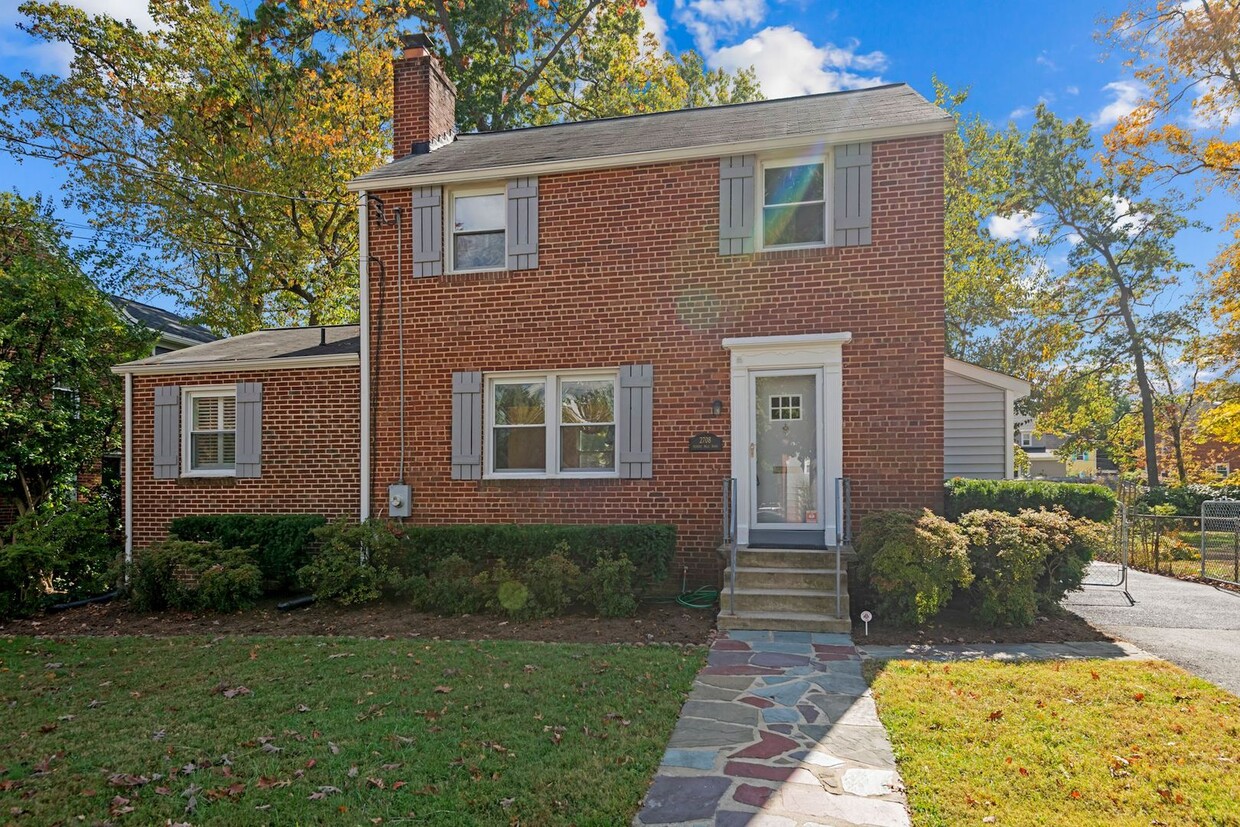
654	623
955	626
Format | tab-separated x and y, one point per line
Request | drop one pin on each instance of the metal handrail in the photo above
729	534
843	536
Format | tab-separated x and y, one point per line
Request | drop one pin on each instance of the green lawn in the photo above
311	730
1071	743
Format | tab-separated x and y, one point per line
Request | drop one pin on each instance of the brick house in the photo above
597	322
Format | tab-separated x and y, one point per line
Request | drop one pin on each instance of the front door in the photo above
786	466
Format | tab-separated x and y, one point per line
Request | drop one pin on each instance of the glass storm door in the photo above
787	471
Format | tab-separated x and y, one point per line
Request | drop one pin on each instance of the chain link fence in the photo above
1219	542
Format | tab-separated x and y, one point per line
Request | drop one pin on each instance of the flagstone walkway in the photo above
780	730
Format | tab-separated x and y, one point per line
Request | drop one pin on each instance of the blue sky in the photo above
1011	54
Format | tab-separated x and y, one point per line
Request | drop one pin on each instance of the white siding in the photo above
975	442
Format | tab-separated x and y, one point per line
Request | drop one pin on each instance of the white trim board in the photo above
285	363
987	377
819	352
659	156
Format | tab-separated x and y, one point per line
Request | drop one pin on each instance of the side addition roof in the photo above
289	347
890	111
162	321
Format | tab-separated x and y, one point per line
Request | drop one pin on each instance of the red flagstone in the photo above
760	703
741	670
831	649
743	769
753	795
770	745
725	645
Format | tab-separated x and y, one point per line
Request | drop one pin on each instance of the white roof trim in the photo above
987	377
630	159
763	342
227	366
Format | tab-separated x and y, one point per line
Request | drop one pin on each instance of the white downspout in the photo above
128	474
363	238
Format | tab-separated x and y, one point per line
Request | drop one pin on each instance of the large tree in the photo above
217	145
1186	56
59	337
1121	259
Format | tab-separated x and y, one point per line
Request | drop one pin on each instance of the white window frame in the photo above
1026	439
188	395
1225	469
551	421
796	160
450	229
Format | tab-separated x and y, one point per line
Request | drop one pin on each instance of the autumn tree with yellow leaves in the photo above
215	147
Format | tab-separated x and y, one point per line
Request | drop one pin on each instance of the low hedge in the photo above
281	543
1090	502
649	546
1186	499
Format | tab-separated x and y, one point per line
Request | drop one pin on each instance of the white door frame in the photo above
809	352
752	473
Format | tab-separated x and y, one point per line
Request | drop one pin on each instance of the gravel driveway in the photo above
1190	624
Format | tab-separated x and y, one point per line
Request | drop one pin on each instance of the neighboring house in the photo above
600	322
175	333
1044	463
978	421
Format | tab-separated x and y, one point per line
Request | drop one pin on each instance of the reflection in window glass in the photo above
793	205
478	240
587	425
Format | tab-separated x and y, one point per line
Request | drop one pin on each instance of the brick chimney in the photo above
423	99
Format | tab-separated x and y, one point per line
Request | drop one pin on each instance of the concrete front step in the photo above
789	558
777	577
797	601
784	622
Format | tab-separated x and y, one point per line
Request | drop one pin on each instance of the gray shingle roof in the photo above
895	105
162	321
278	343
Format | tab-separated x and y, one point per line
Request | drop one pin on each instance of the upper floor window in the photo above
1026	439
794	206
211	431
1082	456
1223	469
479	239
552	425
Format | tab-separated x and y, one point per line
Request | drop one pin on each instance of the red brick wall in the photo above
630	273
423	101
311	437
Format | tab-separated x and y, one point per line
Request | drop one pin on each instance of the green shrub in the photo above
609	586
455	587
650	546
354	562
1184	500
1071	544
192	576
55	555
282	542
1006	556
908	564
554	583
1091	502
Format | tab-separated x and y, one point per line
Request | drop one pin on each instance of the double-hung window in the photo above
479	230
794	205
210	432
554	424
1026	439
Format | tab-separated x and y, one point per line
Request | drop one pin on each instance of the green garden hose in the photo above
703	597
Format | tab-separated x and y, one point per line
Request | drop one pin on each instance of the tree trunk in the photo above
1136	347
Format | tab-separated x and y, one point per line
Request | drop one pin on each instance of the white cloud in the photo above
654	23
38	56
1127	220
135	10
35	55
1125	95
1072	90
1020	112
788	63
1018	226
1045	62
710	20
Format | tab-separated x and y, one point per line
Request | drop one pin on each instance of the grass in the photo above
1064	743
141	731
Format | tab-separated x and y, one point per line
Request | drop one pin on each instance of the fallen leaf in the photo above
506	802
237	692
126	780
996	715
443	690
335	749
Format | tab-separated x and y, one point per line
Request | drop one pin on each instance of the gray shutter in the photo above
467	425
249	429
736	204
523	224
167	455
851	215
636	421
427	207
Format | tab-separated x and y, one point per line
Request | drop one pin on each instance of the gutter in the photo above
128	474
363	238
225	366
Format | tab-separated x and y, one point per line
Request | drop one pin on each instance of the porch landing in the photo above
787	588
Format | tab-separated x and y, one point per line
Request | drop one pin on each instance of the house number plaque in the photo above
705	442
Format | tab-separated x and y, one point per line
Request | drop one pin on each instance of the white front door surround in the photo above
820	354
